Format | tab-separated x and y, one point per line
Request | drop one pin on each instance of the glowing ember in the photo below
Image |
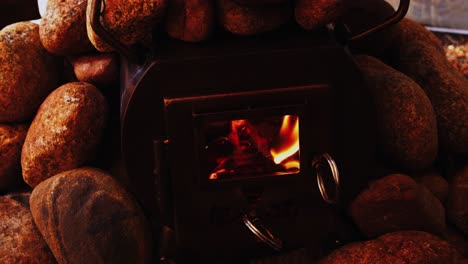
289	143
293	164
252	147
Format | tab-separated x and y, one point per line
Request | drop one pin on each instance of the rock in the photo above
28	73
457	240
98	69
65	132
20	241
63	27
457	203
435	183
260	2
406	122
410	31
251	20
413	247
396	202
190	20
11	141
130	22
298	256
107	224
313	14
420	57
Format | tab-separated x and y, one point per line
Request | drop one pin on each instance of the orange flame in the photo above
289	145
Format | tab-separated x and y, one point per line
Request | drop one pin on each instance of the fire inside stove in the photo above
252	147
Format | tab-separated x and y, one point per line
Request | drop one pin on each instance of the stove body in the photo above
176	106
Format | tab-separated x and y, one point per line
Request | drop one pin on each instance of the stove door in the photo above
248	153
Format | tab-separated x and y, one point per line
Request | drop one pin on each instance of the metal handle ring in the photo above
317	163
262	233
105	35
393	19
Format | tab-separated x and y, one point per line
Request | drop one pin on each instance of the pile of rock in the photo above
54	111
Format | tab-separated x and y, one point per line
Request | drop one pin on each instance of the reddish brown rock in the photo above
251	20
457	203
190	20
65	132
406	122
396	202
20	241
63	27
98	69
28	73
413	247
419	55
457	240
313	14
11	141
130	22
86	216
260	2
435	183
410	31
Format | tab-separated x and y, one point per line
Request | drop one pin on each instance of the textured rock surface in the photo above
11	141
457	240
65	132
130	22
457	204
28	73
435	183
251	20
413	247
98	69
63	27
85	216
419	55
313	14
407	128
190	20
396	202
20	241
260	2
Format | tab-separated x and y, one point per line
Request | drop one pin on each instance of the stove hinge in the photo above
162	181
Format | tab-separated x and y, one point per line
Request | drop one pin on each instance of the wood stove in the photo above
244	143
244	146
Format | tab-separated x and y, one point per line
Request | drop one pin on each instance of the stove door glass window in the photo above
245	148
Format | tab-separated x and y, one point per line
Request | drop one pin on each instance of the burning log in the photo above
256	148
